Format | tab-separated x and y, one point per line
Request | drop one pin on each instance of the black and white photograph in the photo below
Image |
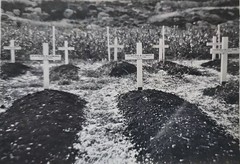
119	82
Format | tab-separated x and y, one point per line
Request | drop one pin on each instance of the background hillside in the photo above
124	12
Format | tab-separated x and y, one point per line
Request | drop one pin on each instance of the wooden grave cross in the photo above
116	46
45	57
53	41
219	39
12	49
215	45
161	47
139	57
163	43
224	51
66	49
108	44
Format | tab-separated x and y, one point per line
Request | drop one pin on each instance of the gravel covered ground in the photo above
103	138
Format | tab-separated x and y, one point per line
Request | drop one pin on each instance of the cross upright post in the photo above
12	49
139	56
108	43
66	49
53	40
116	46
219	38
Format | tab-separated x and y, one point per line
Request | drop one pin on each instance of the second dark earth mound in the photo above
167	129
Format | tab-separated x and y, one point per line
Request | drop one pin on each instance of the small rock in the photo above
68	13
102	15
16	12
9	13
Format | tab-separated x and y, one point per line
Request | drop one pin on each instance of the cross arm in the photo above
225	51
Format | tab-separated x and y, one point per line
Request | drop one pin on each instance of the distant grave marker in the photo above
12	49
108	43
53	40
161	48
66	49
214	45
139	57
224	57
116	46
45	57
219	39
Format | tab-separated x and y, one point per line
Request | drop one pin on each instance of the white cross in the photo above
219	38
224	58
139	57
161	47
53	40
12	49
45	57
214	45
108	43
163	38
116	46
66	49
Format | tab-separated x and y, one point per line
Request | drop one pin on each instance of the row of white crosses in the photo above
161	46
13	48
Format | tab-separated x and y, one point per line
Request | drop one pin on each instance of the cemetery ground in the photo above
98	118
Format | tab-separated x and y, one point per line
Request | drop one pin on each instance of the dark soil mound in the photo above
41	128
64	72
117	69
229	92
123	68
9	70
177	69
233	66
166	129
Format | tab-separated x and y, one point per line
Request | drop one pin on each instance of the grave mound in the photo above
41	128
64	73
9	70
167	129
117	69
233	66
229	92
177	69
